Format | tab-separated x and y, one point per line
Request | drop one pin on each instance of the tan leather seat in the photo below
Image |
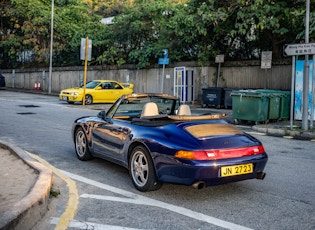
150	109
184	110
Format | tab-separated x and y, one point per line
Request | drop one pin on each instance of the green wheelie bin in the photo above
279	105
250	105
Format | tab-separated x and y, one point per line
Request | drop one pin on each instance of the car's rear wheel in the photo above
81	145
88	99
142	170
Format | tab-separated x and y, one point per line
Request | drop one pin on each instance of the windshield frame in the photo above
132	106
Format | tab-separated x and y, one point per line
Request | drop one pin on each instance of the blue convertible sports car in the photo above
159	140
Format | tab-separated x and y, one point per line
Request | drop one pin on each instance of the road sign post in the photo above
302	49
266	60
85	54
219	59
163	61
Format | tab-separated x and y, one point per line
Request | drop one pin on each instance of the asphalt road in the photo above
41	125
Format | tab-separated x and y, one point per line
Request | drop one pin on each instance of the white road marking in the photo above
88	225
138	199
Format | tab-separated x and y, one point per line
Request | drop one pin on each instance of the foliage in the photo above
54	192
192	30
134	37
26	36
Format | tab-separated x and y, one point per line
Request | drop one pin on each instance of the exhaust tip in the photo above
261	175
199	185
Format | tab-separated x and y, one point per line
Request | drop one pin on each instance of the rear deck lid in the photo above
200	131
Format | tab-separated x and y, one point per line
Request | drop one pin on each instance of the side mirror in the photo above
102	114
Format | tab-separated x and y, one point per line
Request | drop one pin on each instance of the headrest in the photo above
150	109
184	110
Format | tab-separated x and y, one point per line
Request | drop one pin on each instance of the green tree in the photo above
199	30
267	25
25	38
10	34
239	29
135	34
192	30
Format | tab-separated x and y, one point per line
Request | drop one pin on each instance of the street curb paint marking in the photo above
73	200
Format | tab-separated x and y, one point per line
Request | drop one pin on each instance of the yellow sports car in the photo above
97	91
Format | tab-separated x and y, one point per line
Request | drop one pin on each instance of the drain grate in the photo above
26	113
29	106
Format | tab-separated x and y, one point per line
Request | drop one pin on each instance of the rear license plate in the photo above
235	170
65	98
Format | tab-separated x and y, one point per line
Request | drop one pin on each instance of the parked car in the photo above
159	140
97	91
2	80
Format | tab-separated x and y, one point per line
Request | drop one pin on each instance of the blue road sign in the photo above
165	53
164	61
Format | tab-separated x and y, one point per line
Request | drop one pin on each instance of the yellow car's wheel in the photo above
88	99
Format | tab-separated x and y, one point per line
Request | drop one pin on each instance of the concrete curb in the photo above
31	208
284	132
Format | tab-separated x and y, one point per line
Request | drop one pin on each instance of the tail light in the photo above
216	154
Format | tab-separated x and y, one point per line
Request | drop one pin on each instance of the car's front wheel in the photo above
81	145
142	170
88	99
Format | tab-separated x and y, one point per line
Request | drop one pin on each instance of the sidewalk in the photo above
283	129
25	188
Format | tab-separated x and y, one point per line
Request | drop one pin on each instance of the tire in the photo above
141	170
88	99
81	145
